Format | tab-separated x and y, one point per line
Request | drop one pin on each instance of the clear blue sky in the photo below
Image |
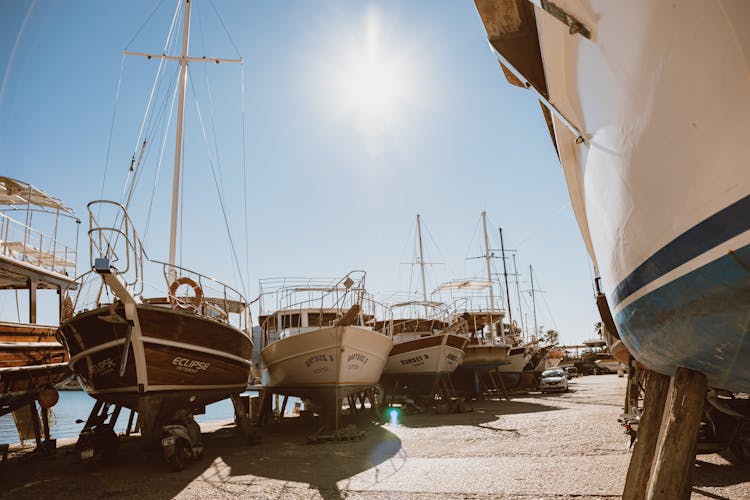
359	115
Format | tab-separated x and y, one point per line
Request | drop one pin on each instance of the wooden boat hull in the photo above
417	365
28	344
20	385
325	365
479	361
518	357
660	186
485	356
180	360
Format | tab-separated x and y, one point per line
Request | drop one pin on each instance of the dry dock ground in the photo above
552	446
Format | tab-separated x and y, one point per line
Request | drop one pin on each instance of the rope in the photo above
112	128
244	176
219	193
225	29
159	163
144	24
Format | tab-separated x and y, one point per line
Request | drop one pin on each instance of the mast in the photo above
487	257
533	300
505	275
183	59
421	266
178	140
518	297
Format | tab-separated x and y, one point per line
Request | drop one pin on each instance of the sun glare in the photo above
373	82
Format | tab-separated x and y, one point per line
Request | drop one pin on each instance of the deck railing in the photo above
24	243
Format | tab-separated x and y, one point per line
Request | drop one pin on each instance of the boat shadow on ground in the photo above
477	413
284	455
708	474
230	467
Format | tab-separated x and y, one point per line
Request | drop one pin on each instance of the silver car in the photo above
553	380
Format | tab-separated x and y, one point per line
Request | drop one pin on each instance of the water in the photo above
75	405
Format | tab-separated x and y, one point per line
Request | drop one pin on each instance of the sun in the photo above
372	81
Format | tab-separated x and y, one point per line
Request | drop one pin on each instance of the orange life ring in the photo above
193	303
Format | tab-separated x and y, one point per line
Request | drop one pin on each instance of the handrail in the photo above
50	252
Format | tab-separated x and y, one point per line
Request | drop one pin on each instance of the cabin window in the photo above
290	321
313	319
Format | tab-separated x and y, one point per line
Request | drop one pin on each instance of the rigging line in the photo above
169	40
112	129
144	24
221	21
219	191
140	131
440	252
159	162
153	128
244	174
546	304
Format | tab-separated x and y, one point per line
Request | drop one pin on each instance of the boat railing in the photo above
22	242
289	293
118	242
330	299
204	295
216	300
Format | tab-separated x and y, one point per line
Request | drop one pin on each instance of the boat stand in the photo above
244	420
664	455
442	398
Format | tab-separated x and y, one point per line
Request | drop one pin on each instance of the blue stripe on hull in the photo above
700	321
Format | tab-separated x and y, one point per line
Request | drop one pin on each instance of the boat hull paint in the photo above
518	357
418	365
479	368
706	312
188	361
326	364
660	187
485	356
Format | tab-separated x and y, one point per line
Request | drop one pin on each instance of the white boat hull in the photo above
326	363
660	95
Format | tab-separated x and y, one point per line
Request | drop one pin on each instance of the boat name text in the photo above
355	356
318	358
190	365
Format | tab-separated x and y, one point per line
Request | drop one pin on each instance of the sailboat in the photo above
422	354
655	160
520	353
477	316
319	340
34	260
181	350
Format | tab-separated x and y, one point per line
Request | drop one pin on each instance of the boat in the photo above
476	315
176	347
655	160
319	340
37	261
422	355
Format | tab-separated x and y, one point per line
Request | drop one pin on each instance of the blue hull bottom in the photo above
700	321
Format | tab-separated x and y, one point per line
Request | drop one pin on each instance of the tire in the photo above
179	459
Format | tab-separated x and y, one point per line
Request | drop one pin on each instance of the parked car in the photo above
571	372
554	380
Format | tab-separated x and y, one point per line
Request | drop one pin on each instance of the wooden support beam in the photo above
32	300
675	450
642	459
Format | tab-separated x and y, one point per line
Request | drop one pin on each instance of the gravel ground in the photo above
553	446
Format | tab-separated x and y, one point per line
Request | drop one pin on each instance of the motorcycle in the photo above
181	440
